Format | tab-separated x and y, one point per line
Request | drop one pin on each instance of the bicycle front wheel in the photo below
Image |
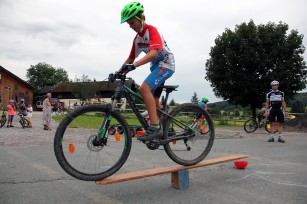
76	147
2	121
192	132
250	126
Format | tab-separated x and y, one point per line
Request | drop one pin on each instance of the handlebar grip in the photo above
128	67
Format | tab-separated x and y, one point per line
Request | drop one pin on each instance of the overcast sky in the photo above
86	37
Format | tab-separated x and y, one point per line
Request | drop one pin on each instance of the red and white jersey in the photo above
150	39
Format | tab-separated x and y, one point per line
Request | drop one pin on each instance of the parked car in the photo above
39	105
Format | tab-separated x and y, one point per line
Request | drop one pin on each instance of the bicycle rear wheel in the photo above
250	126
78	153
197	145
268	127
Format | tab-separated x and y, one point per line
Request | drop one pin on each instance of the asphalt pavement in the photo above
276	173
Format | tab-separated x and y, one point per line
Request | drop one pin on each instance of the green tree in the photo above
244	62
298	107
172	102
83	78
43	74
236	112
194	98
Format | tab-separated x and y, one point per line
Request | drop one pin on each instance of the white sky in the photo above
86	37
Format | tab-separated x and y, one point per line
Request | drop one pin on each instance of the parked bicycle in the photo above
3	118
84	148
58	111
251	125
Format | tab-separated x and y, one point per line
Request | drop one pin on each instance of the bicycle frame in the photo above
123	90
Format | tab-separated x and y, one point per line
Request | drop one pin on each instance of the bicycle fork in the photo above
101	138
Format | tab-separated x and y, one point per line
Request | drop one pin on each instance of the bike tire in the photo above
25	123
74	148
192	150
267	128
250	126
2	122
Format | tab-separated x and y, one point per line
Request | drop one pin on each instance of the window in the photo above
16	86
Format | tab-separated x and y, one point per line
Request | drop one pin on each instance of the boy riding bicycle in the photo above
162	66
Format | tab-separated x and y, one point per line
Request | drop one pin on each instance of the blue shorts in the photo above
158	76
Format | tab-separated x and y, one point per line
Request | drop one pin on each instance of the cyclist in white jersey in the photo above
275	100
162	63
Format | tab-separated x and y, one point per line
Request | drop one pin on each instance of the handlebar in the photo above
122	73
117	75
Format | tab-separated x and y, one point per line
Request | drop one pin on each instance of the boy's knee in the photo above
145	88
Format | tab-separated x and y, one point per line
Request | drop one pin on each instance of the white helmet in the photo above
274	83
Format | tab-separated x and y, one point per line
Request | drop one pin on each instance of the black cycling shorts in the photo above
276	113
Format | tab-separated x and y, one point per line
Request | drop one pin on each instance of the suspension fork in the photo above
104	126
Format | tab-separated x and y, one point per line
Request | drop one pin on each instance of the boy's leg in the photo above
153	81
149	102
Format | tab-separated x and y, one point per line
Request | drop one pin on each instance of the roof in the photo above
96	86
2	69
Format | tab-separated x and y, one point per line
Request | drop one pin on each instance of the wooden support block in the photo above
180	179
164	170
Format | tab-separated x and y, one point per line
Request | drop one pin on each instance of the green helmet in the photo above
131	10
205	100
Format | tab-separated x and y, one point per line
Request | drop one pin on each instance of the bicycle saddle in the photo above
169	88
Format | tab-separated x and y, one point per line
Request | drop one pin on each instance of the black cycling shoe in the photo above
271	139
281	140
150	134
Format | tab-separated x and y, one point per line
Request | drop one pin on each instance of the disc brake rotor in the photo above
91	146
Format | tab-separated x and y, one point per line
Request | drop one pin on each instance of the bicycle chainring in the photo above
152	145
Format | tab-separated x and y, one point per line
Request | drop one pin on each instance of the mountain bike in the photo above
3	118
22	120
84	148
251	125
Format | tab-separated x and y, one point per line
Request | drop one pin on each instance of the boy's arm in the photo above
129	61
150	56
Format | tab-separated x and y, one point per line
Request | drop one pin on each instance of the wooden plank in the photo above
164	170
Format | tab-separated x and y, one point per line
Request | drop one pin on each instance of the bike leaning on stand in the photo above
84	148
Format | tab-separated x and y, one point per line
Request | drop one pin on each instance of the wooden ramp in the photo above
180	175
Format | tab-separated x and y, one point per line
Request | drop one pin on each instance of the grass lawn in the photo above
91	121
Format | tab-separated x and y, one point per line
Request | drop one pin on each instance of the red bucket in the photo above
241	164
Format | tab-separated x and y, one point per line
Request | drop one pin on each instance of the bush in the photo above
298	107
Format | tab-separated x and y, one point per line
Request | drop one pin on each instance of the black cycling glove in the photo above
128	67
